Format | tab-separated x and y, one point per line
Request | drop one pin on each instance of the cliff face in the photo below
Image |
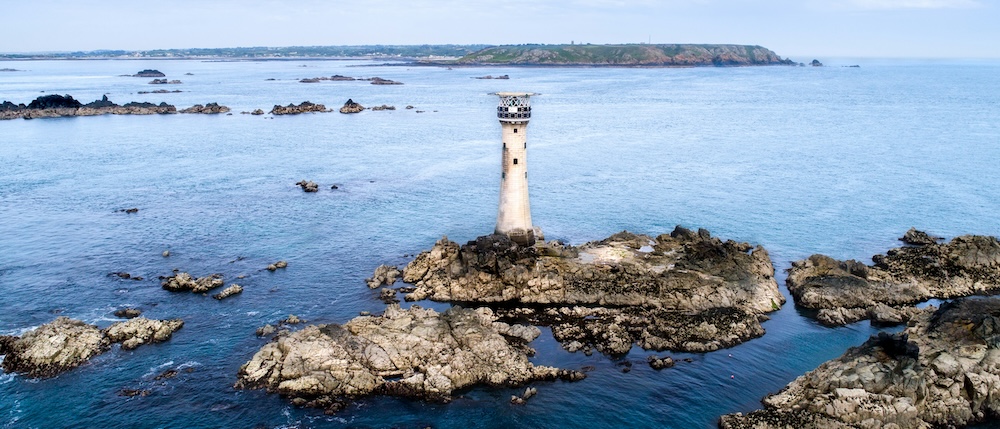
626	55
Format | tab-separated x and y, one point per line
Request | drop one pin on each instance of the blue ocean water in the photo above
802	160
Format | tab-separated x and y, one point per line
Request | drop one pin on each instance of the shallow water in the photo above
802	160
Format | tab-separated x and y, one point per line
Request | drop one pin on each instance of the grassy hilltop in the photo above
625	55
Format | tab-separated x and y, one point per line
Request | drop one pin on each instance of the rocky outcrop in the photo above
335	78
164	82
351	107
233	289
683	291
304	107
848	291
149	73
307	186
51	106
379	81
66	343
210	108
383	107
941	371
128	313
140	330
280	264
54	347
492	77
184	282
816	63
384	275
160	91
413	353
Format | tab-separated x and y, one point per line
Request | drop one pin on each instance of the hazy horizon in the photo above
795	29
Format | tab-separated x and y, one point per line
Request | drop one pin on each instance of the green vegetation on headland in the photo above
641	55
263	52
625	55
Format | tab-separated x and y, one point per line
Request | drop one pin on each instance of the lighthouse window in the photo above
515	130
505	145
515	161
503	175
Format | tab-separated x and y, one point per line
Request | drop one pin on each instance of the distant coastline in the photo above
571	55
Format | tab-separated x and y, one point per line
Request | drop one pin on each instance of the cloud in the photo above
913	4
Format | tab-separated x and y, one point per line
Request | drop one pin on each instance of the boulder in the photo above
384	275
149	73
916	237
415	353
128	313
307	186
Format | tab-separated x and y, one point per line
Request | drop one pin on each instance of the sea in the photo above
835	160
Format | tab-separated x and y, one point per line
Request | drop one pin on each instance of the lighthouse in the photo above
514	212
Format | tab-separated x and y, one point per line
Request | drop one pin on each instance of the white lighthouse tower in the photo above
514	213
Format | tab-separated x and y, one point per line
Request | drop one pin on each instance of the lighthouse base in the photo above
523	237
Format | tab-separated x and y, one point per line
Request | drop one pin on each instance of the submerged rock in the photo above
941	371
128	313
414	353
848	291
307	186
683	291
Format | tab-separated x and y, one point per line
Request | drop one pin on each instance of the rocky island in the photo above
637	55
52	106
941	371
848	291
415	353
684	291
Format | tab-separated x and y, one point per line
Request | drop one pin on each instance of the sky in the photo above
792	28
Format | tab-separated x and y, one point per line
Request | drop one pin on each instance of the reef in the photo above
351	107
684	291
941	371
848	291
415	353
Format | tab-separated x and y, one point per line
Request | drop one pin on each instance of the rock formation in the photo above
128	313
383	107
66	343
351	107
816	63
683	291
281	264
210	108
848	291
183	281
233	289
292	109
414	353
644	55
384	275
307	186
164	82
140	330
149	73
51	106
941	371
379	81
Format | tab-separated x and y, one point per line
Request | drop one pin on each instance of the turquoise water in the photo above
802	160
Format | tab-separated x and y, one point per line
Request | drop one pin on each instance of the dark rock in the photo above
919	238
351	107
816	63
184	281
128	313
133	392
55	101
660	362
210	108
380	81
164	82
304	107
149	73
307	186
